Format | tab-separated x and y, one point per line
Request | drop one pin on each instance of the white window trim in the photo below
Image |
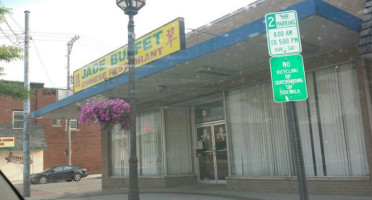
17	120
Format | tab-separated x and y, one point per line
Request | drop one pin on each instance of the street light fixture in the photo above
131	8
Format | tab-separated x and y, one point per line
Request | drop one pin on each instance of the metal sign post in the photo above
288	79
295	139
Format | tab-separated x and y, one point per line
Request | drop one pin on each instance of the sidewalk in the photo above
200	192
89	176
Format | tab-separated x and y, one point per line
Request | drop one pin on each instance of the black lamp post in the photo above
131	8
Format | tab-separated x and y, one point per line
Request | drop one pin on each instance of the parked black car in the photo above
57	173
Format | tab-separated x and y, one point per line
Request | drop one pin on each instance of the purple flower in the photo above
108	111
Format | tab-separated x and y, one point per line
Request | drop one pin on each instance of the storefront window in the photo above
330	119
178	140
259	142
148	146
149	143
119	152
209	112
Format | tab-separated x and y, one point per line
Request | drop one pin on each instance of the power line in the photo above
42	63
51	33
15	22
8	37
197	30
48	40
12	17
43	34
9	26
11	36
12	30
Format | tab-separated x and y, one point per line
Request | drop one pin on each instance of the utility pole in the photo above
69	48
26	117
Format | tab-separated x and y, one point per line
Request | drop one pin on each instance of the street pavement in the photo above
90	189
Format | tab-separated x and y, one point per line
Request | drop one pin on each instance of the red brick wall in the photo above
7	106
85	147
86	141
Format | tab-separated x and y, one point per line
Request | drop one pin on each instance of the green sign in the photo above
283	35
288	78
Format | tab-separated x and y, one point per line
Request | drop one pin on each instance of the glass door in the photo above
212	153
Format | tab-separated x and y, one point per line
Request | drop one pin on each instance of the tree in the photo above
8	54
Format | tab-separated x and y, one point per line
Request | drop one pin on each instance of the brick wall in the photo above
246	16
7	106
85	146
354	7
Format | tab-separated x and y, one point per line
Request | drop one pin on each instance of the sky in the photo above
101	26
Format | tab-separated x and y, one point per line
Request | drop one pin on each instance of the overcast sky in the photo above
101	25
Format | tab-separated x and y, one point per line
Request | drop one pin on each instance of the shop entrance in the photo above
212	153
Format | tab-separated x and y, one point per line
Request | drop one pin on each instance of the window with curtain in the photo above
258	135
149	152
178	140
330	124
119	151
149	148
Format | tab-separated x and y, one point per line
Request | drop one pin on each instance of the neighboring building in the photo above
11	125
47	138
206	114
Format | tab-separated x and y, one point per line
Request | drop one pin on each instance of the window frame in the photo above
76	122
13	119
56	124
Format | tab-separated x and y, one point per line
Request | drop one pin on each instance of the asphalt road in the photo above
64	188
90	189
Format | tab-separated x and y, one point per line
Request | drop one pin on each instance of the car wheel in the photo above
77	177
43	180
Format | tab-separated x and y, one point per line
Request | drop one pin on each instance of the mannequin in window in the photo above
207	140
220	139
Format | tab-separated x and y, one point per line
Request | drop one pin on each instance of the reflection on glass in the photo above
209	112
218	149
220	137
221	151
206	165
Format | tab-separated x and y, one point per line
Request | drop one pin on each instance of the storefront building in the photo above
206	113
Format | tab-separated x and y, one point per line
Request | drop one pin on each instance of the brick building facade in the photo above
85	139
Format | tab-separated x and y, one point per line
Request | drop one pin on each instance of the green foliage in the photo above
2	71
8	54
15	90
3	11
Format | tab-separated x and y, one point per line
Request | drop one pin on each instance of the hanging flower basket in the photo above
106	112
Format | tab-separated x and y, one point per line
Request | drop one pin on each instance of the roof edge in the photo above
304	9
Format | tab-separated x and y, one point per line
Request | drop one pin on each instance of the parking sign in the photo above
283	35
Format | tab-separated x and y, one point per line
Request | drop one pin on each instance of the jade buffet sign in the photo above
165	40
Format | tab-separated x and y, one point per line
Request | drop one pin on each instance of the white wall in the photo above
14	171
